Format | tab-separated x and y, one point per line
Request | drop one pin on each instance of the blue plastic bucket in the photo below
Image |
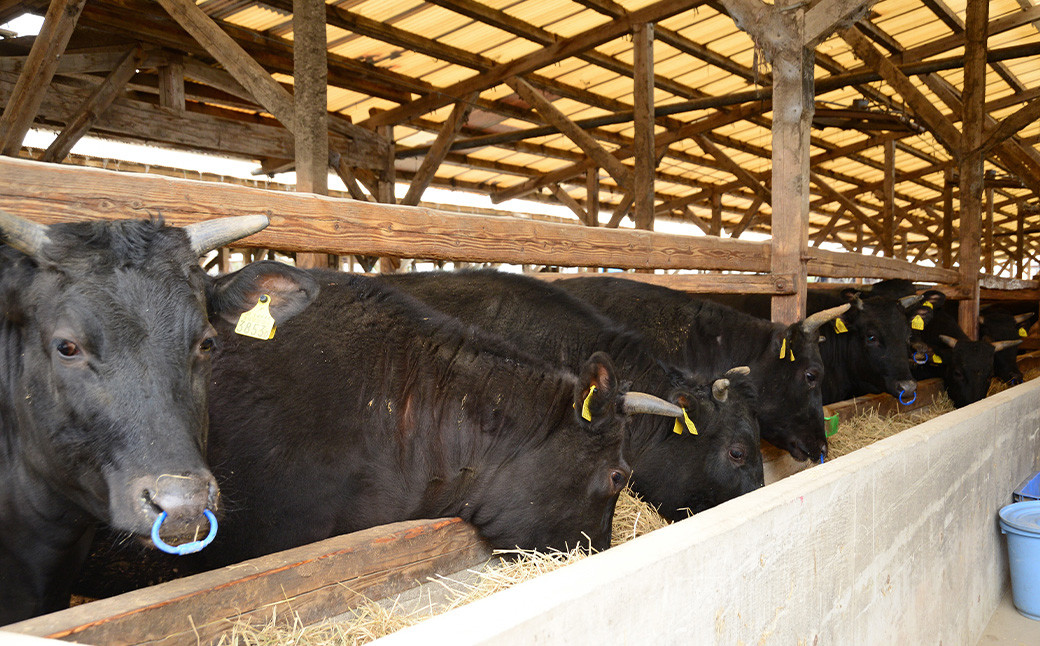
1020	521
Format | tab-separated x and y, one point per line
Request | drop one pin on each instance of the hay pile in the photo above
869	427
632	517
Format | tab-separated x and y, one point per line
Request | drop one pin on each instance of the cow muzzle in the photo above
183	496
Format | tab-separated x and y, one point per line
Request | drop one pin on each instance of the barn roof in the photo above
711	90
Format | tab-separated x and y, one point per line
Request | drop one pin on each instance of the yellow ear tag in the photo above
917	322
1022	333
936	358
791	354
690	426
783	348
839	326
585	413
929	305
257	322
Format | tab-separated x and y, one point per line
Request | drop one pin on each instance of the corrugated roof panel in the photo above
387	10
433	22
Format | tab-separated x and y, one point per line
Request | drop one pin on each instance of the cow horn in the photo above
814	321
948	340
634	402
1004	345
21	234
1022	318
720	389
212	234
739	370
911	300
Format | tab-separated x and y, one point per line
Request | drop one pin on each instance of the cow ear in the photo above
923	311
595	396
935	297
290	289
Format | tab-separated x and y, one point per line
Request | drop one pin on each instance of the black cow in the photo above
678	473
785	361
997	324
106	343
965	366
370	407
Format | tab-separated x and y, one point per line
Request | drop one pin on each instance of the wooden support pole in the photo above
385	180
100	98
564	197
987	241
643	98
792	118
888	200
748	219
971	178
439	150
716	214
592	197
36	76
171	84
947	225
310	106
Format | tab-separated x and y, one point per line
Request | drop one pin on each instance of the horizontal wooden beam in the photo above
312	582
702	283
833	264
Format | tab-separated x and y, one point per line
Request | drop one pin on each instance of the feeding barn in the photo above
780	158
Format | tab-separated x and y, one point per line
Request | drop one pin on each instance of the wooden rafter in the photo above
438	151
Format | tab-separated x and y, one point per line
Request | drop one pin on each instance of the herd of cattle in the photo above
520	405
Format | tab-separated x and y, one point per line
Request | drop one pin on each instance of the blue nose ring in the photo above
186	548
920	358
903	392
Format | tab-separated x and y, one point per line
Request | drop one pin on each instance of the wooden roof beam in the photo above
742	175
530	62
438	151
1011	125
94	106
21	108
942	45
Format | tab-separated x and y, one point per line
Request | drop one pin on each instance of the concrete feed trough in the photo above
895	543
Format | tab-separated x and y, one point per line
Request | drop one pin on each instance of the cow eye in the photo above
618	480
872	339
737	455
66	348
810	377
207	345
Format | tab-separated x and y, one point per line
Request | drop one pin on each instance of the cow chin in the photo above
136	501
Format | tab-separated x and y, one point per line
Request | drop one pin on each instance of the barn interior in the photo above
722	146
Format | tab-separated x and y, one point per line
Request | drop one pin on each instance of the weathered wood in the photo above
947	223
95	105
888	200
987	240
312	582
823	18
438	150
171	83
971	166
1010	125
24	102
536	60
564	197
833	264
792	118
742	175
642	184
716	215
222	47
747	220
592	197
703	283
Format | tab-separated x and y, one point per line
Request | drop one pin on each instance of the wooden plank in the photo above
971	162
438	150
313	582
642	177
24	103
94	107
268	92
1006	284
884	404
536	60
833	264
702	283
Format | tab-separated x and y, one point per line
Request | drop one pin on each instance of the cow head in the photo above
578	465
789	378
688	469
879	329
998	324
968	367
108	341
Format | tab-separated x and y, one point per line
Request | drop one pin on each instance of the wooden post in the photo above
971	180
888	200
716	214
171	83
643	144
1020	243
792	116
947	227
310	130
987	248
592	197
386	178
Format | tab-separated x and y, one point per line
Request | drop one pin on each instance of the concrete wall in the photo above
896	543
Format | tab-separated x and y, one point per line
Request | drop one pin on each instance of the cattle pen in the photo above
823	144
